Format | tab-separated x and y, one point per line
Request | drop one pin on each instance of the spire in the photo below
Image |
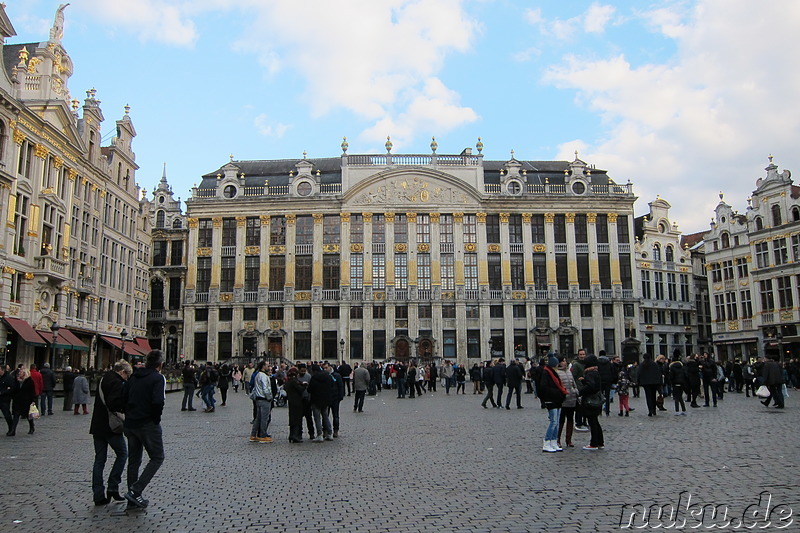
164	174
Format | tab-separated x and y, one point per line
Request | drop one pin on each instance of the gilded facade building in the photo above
385	256
668	320
74	253
753	261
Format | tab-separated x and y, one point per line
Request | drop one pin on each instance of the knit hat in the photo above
552	360
589	361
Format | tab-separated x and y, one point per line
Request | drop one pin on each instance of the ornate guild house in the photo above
385	256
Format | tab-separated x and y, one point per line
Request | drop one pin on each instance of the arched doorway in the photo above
402	349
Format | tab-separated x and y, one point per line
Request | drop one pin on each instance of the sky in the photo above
684	98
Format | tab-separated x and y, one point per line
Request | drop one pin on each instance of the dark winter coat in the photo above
294	396
23	397
549	389
113	393
499	374
649	373
321	389
677	375
514	375
48	379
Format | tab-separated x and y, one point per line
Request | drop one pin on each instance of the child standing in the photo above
623	382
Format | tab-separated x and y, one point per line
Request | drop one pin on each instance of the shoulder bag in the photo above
116	420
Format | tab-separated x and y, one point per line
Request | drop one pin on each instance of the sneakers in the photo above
253	439
581	428
318	438
136	500
590	447
264	440
328	437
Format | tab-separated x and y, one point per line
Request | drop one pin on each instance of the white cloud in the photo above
597	17
269	129
152	20
705	119
593	20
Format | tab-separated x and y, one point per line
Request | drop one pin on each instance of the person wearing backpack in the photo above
261	394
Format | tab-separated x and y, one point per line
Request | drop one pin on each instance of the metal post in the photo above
341	349
122	335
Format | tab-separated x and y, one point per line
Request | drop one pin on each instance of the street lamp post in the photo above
779	336
341	349
54	328
123	334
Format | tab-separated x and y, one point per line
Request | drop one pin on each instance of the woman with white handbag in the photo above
23	401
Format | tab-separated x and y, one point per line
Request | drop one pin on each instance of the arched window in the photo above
670	254
157	294
160	217
176	224
726	240
656	252
2	139
795	211
759	223
776	215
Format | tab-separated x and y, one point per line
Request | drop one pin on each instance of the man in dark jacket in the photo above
321	389
48	386
488	381
709	369
69	379
514	381
650	380
607	376
338	395
773	378
693	379
109	397
144	403
6	392
499	376
346	372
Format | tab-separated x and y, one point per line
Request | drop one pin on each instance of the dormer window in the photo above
795	214
160	219
514	187
726	240
759	223
656	252
670	254
229	191
776	215
304	188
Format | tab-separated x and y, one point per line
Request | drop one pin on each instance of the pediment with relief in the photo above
413	188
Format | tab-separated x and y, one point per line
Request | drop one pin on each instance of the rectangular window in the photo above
604	266
625	271
564	311
601	228
277	231
304	230
473	311
746	303
623	232
228	232
608	310
250	314
330	271
424	271
205	231
470	228
401	271
251	273
784	285
741	267
517	264
303	272
378	345
495	311
277	272
609	342
519	311
495	272
379	272
201	314
424	311
302	313
356	228
176	258
331	229
400	228
401	312
200	346
302	345
646	294
225	314
446	228
762	255
448	272
658	281
586	310
159	253
540	272
203	274
716	273
423	228
252	234
275	313
795	248
357	271
587	340
562	274
515	228
448	311
560	228
581	229
378	311
378	228
537	227
227	274
684	279
471	272
330	312
730	305
767	297
719	307
727	270
672	288
493	229
356	312
780	253
473	343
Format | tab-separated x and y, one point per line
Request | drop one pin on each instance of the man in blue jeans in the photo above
144	403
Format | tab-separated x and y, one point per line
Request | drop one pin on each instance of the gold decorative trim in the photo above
389	217
526	218
265	220
357	248
367	218
48	190
591	217
277	250
344	217
5	186
518	295
785	315
84	180
330	248
275	324
41	151
717	287
302	296
317	217
9	270
72	174
539	248
470	247
216	222
458	217
504	218
379	296
570	217
733	325
684	269
493	248
241	222
19	137
449	295
423	247
612	217
481	218
252	250
291	218
192	222
549	217
645	265
204	252
400	247
435	217
226	297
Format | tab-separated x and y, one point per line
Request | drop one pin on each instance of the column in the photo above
572	263
550	240
191	255
461	309
216	251
263	265
344	252
316	278
291	238
241	224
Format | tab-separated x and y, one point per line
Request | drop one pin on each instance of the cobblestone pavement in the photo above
438	463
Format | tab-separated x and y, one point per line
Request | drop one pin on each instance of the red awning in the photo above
70	337
143	345
61	340
130	347
25	331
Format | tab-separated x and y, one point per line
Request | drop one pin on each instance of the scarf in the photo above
556	380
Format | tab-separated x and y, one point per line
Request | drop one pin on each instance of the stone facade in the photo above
385	256
753	260
75	250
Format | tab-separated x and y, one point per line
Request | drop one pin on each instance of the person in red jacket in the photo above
38	382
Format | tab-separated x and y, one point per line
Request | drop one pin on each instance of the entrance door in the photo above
401	350
275	348
425	350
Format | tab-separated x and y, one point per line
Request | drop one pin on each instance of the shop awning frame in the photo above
130	346
25	331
